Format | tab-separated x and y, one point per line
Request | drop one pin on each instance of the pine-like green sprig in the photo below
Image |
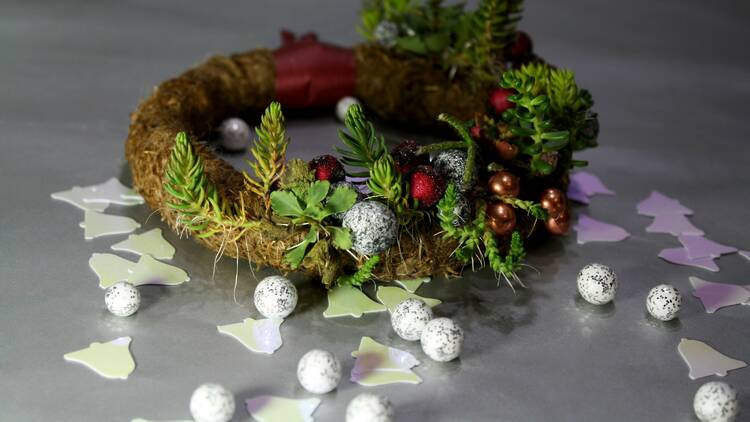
385	181
532	208
363	274
495	29
269	151
364	145
506	267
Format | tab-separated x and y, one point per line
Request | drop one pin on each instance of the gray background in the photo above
671	81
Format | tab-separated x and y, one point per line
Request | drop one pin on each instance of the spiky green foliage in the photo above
494	30
310	206
508	266
363	273
364	145
532	208
269	151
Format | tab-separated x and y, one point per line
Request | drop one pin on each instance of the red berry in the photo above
327	167
521	47
426	186
406	158
476	132
499	100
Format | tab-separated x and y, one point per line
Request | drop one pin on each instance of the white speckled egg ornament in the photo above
122	299
234	134
442	339
410	317
374	227
343	106
597	284
319	371
368	407
386	33
212	403
664	302
275	297
716	401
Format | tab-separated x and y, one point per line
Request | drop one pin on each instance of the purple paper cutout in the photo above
590	230
715	296
679	256
589	184
700	247
575	194
674	224
659	204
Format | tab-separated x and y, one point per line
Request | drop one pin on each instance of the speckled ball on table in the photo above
319	371
275	297
597	284
368	407
451	164
373	225
342	106
386	33
410	317
122	299
716	401
234	134
442	339
664	302
212	403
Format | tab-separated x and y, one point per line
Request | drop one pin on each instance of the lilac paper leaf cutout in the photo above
700	247
703	360
659	204
679	256
715	296
590	230
589	184
576	194
674	224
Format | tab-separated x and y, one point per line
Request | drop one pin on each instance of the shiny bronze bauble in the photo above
504	183
506	150
554	202
501	218
560	225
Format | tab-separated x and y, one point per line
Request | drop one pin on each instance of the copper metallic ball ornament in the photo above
506	150
501	218
554	202
504	183
560	225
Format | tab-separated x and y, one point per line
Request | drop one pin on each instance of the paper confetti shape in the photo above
112	192
576	194
110	268
590	230
96	224
391	296
700	247
151	420
589	184
75	196
150	271
715	296
679	256
260	336
745	254
281	409
151	242
110	360
674	224
412	285
378	364
659	204
350	301
703	360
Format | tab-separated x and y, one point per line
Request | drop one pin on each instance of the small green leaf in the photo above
540	166
555	144
341	200
286	204
556	136
412	44
317	192
295	255
342	237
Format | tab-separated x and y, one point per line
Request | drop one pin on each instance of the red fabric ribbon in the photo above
310	73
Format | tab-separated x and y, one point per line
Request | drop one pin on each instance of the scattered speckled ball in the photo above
664	302
451	164
343	106
319	371
368	407
386	33
122	299
410	317
275	297
212	403
716	401
234	134
442	339
374	227
597	284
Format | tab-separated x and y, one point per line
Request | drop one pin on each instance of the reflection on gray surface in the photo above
670	81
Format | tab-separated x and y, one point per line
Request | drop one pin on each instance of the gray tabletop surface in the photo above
671	80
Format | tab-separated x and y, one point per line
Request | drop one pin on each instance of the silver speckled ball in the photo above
275	297
343	106
122	299
664	302
410	317
451	164
374	227
368	407
386	33
716	401
597	284
234	134
212	403
442	339
319	371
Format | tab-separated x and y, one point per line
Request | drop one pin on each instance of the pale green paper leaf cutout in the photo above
110	360
281	409
260	336
75	196
96	224
412	285
110	268
151	242
350	301
150	271
378	364
391	296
